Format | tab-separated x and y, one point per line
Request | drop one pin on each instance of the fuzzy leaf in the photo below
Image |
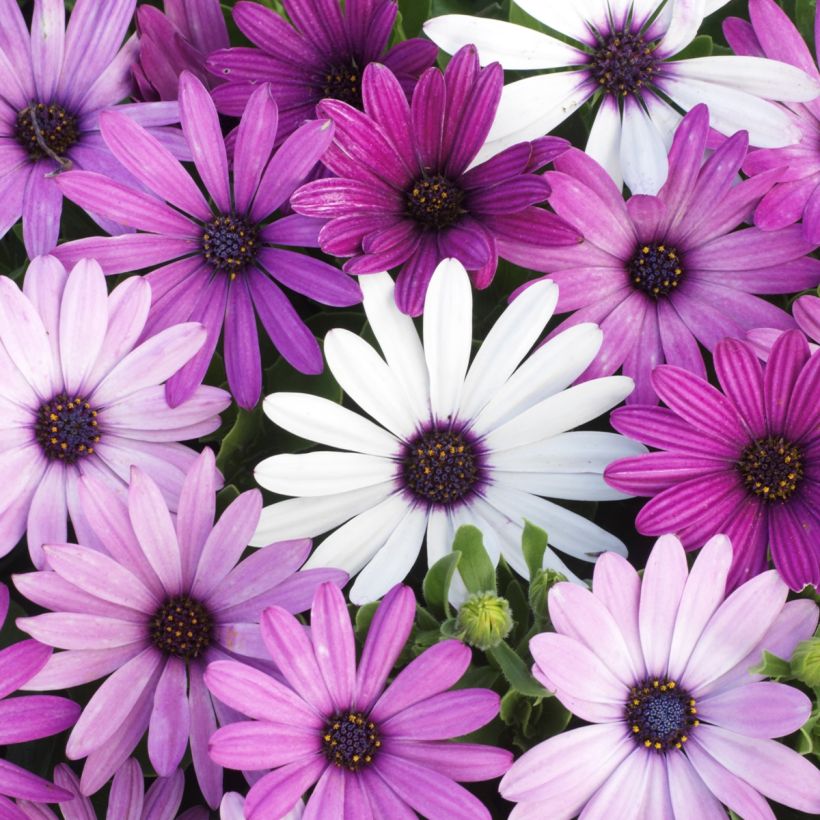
475	565
436	584
516	672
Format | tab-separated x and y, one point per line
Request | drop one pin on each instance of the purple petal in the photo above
126	796
333	643
311	277
443	716
36	716
42	206
243	363
467	762
203	725
277	792
124	253
294	229
255	138
20	662
170	719
255	745
17	782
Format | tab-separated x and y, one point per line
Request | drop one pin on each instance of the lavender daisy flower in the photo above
363	744
404	196
806	312
82	397
149	609
128	798
744	462
662	273
457	445
226	260
659	666
623	52
179	40
27	718
797	194
321	52
53	85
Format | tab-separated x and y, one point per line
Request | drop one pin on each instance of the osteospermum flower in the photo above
662	273
622	51
797	194
320	51
128	797
149	609
744	462
456	445
403	194
371	749
27	718
53	85
806	312
226	260
660	668
81	396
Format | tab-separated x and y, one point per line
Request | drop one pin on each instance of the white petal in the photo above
687	15
306	517
328	423
322	473
665	117
508	341
713	5
398	340
448	335
439	535
604	142
643	154
568	18
568	486
514	46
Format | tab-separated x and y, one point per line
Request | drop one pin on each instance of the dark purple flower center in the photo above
623	62
182	627
46	130
350	740
771	468
229	243
66	428
655	269
343	81
441	467
660	714
434	201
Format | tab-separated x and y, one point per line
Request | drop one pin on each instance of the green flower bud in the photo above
806	662
540	586
484	620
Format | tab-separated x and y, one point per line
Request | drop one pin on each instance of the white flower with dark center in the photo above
458	444
622	54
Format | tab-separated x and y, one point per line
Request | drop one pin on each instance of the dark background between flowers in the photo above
246	437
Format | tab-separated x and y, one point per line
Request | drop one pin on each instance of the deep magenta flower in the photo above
404	194
371	751
744	462
321	51
53	85
176	41
806	312
27	718
797	194
81	396
150	608
226	260
660	667
661	274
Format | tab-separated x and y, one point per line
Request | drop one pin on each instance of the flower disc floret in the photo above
350	740
623	62
661	714
229	243
343	81
435	201
46	130
656	269
441	467
67	428
182	627
772	468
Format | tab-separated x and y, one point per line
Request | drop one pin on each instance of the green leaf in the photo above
701	46
436	584
364	616
515	671
519	607
804	19
475	566
772	667
246	427
533	545
225	497
413	14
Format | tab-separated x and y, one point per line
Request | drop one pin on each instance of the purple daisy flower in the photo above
225	254
150	608
81	396
797	194
659	666
53	85
128	798
371	751
661	273
745	462
27	718
322	52
404	196
179	40
806	312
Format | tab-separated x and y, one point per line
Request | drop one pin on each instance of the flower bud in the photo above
484	620
540	586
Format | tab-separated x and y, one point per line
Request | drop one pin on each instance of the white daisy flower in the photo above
623	52
457	444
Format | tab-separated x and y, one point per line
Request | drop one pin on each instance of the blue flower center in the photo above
660	714
46	130
623	62
771	468
182	627
434	201
229	243
343	81
350	740
66	428
656	269
441	467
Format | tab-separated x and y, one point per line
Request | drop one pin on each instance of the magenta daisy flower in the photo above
745	462
661	274
797	194
806	312
372	750
81	396
27	718
404	196
226	263
53	85
149	609
321	51
179	40
660	668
